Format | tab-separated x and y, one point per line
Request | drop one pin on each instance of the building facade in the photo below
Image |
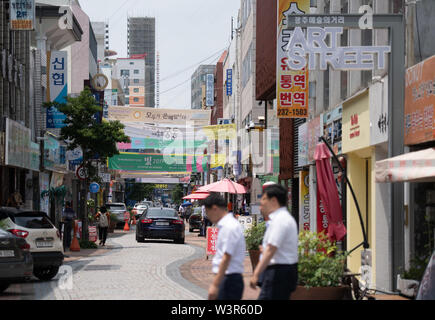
141	32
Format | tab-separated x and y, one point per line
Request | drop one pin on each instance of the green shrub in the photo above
320	264
254	236
86	244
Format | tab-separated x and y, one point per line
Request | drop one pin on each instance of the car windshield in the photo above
115	207
161	213
33	220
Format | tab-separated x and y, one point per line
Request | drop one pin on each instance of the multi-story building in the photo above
142	40
198	85
350	110
131	75
101	31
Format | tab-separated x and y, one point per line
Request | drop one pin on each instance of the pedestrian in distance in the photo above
278	261
103	217
228	261
205	222
68	217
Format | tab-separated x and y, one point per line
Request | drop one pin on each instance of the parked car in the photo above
16	263
160	223
195	220
139	209
42	236
119	209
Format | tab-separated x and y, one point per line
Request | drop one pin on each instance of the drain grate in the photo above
102	268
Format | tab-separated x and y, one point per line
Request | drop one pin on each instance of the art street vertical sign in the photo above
22	14
57	84
291	85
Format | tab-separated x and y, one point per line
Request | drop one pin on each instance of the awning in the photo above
416	166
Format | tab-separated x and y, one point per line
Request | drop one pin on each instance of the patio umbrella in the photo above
225	185
328	193
186	204
197	196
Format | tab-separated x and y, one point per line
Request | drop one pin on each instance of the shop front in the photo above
19	166
359	154
416	168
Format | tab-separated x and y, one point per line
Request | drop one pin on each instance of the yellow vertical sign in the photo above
304	201
291	85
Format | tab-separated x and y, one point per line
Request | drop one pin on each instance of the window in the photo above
247	67
136	81
125	73
136	99
136	71
136	90
132	63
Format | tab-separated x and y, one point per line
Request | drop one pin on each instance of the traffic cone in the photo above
126	226
75	246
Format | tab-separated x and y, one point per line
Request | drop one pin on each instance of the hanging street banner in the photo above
22	14
291	85
57	84
158	163
304	201
221	132
159	116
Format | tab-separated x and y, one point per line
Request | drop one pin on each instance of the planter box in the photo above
407	287
320	293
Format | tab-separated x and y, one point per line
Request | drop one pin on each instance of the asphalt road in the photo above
128	271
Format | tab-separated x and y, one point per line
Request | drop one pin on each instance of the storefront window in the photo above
424	220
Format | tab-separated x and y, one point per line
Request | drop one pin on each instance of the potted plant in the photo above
320	269
254	238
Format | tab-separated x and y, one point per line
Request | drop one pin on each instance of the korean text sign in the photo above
420	102
57	83
22	13
212	235
291	85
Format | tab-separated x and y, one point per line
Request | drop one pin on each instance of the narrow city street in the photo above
127	270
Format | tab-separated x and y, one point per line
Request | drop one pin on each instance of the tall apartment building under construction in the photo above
142	39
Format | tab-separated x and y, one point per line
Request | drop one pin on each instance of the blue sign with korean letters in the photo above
229	82
209	98
58	88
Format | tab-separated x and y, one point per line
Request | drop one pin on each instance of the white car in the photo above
139	209
44	239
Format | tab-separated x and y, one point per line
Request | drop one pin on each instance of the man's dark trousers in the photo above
67	234
231	287
279	281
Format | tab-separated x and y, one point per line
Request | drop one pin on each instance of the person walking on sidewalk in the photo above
278	261
205	222
68	217
230	252
103	218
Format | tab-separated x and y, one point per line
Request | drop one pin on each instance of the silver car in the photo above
118	209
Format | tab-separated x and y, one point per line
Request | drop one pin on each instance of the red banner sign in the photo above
212	234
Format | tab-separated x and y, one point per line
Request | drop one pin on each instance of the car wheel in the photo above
4	286
46	274
140	239
179	241
190	230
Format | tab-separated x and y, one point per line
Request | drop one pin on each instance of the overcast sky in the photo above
187	32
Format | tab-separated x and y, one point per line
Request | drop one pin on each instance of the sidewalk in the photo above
199	271
84	253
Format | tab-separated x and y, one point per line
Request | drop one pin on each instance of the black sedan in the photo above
160	223
16	263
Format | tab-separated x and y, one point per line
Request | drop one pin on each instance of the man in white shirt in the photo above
280	247
230	252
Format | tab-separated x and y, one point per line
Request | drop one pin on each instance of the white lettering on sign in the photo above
312	44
